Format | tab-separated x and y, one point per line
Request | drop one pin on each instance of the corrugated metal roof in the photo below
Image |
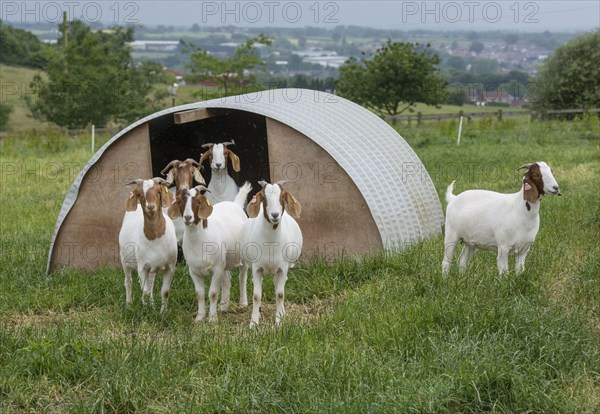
390	176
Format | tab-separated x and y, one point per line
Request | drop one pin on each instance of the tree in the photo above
569	78
397	77
230	72
21	48
457	97
476	47
93	80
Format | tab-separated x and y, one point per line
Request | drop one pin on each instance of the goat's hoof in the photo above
253	325
224	307
213	319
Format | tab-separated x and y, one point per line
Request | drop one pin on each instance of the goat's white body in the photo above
488	220
214	251
221	187
270	251
145	256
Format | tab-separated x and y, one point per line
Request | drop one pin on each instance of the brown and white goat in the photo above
182	173
221	187
271	242
210	244
147	240
505	223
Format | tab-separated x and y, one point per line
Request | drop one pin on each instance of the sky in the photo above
477	15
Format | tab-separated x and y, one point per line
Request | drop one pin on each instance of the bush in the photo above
5	111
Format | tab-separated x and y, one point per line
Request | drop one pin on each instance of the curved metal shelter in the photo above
361	186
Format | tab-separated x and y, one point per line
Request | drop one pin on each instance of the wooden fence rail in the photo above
499	114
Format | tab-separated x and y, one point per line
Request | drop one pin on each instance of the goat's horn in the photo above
209	145
161	181
193	162
132	182
281	183
263	183
202	187
226	144
528	166
169	166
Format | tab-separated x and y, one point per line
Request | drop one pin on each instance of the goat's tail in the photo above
449	195
242	195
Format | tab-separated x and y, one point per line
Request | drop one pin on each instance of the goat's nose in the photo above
188	218
150	207
275	215
555	187
218	164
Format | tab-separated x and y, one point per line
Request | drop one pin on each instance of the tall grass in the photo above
382	333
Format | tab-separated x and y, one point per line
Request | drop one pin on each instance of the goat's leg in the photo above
225	291
198	280
143	276
257	277
465	257
166	287
502	259
213	293
243	277
149	286
127	271
279	279
449	246
520	259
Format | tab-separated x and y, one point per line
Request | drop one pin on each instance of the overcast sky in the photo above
404	15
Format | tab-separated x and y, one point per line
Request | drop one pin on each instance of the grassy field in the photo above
15	87
384	333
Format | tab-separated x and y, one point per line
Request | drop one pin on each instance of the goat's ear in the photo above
205	155
205	209
198	176
131	203
170	176
166	197
292	205
235	160
254	205
530	191
173	211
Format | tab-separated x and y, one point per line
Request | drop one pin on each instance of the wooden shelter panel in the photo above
89	235
335	217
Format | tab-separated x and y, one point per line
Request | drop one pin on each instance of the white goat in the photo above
183	174
271	243
221	187
211	247
147	239
507	223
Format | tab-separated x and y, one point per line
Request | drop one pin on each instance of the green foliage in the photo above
93	80
456	97
229	74
397	77
569	78
5	111
21	48
477	47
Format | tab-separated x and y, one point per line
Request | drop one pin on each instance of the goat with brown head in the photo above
537	181
218	154
192	205
274	200
183	173
147	239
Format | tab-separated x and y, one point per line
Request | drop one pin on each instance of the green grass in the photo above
15	87
385	333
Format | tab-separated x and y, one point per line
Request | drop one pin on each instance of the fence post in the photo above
409	119
419	118
459	128
93	138
499	114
